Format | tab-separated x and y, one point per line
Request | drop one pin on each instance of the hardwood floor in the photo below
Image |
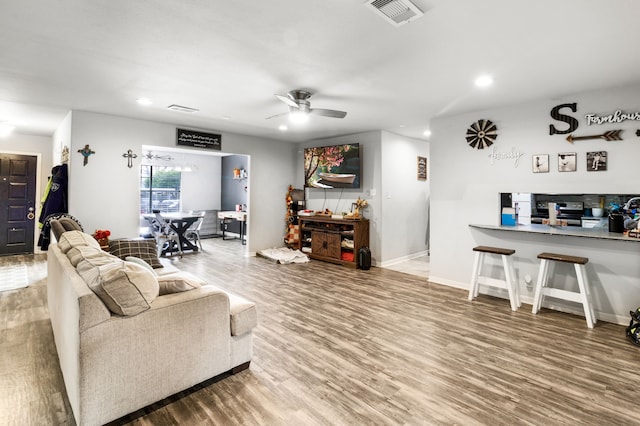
336	346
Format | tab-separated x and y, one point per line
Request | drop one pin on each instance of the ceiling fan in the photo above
300	107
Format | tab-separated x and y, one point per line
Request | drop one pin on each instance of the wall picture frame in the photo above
422	168
567	162
540	163
597	161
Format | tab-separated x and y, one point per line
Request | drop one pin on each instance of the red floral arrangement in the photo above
101	234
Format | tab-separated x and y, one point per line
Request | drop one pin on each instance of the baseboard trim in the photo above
402	259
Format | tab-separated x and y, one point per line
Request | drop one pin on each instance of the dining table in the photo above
179	222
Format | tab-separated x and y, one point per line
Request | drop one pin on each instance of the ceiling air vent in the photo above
398	12
181	108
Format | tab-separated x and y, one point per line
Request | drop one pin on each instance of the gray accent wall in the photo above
233	191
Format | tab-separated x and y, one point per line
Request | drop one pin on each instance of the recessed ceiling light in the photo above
6	129
144	101
427	133
283	128
226	117
484	81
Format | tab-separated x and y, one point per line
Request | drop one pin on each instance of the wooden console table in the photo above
333	240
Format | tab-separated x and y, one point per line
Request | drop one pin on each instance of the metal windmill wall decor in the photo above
482	134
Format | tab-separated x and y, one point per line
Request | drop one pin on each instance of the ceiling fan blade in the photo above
328	112
287	101
277	115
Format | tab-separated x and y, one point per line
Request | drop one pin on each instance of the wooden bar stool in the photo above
582	296
508	283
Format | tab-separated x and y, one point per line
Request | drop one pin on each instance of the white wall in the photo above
465	187
398	212
104	194
200	188
62	138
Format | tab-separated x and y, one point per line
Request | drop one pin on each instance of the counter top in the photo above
232	214
569	231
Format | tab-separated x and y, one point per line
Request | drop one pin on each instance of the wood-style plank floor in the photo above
336	346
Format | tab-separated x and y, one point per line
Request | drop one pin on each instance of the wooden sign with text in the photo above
198	139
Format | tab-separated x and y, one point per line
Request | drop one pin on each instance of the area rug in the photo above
13	277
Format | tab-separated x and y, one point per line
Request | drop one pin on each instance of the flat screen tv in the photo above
335	166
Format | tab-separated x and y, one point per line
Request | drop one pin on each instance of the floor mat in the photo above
13	277
284	255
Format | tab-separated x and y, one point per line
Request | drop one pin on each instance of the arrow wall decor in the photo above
611	135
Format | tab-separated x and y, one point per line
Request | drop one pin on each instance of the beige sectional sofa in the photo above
125	342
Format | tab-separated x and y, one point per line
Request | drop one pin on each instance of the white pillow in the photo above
140	262
80	253
178	282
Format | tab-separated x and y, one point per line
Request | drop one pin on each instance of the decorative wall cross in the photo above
86	152
129	156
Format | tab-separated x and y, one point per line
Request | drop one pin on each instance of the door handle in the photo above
31	215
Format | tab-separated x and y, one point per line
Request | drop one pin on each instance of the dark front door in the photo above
17	203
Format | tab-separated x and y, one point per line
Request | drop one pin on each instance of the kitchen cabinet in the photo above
333	240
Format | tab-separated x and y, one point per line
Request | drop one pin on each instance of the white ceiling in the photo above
228	59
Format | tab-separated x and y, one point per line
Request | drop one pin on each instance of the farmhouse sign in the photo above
198	139
616	117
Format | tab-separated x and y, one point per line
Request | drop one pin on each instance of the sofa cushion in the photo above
124	287
80	253
178	282
244	315
71	239
142	249
167	267
61	225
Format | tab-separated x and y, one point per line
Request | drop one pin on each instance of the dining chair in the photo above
193	232
164	234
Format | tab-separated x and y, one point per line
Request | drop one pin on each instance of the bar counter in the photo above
568	231
613	268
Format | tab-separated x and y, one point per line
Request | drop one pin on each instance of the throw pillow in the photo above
71	239
179	282
80	253
142	249
125	288
62	225
140	262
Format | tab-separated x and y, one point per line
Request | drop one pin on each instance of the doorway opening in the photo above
175	180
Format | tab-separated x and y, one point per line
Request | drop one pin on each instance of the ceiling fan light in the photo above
298	117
